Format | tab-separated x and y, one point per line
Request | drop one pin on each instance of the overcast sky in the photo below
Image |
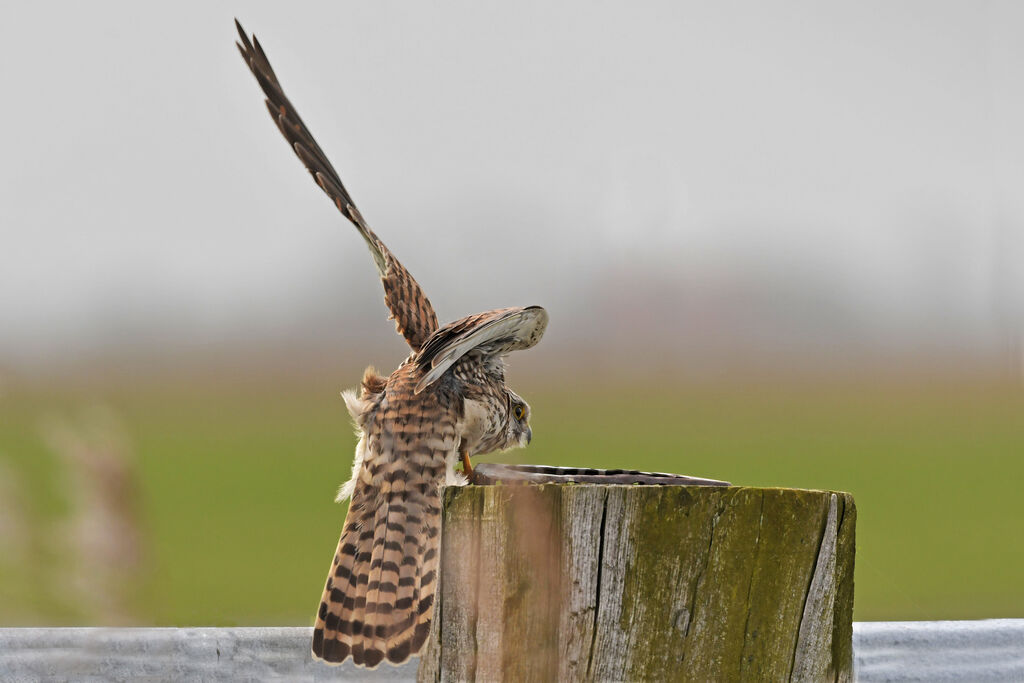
832	170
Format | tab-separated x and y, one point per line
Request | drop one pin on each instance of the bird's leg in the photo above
467	467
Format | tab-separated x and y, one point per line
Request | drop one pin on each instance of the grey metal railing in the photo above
989	650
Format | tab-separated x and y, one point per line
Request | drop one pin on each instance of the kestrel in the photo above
447	401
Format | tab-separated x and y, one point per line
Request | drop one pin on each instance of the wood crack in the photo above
750	585
828	522
478	509
597	596
703	570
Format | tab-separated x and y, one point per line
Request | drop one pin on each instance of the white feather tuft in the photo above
345	492
354	404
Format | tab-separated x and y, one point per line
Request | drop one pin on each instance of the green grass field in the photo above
237	481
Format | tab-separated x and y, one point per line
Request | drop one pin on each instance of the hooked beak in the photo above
529	435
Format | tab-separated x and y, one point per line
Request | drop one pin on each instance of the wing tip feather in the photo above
293	129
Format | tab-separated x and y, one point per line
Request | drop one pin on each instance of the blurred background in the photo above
780	244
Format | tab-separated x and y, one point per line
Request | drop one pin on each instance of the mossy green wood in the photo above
594	582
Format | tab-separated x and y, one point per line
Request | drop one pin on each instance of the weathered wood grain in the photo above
610	583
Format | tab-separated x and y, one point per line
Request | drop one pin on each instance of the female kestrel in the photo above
446	401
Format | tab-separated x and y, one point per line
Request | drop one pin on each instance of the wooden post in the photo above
611	583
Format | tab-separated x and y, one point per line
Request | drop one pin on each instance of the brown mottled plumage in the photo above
447	400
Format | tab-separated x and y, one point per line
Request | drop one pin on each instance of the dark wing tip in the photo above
400	653
259	48
420	635
243	35
332	650
372	657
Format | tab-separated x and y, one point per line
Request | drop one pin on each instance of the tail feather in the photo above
354	621
333	638
399	645
378	599
375	621
411	632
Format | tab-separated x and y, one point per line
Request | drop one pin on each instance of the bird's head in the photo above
517	426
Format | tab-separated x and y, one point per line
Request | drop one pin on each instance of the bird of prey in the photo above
447	401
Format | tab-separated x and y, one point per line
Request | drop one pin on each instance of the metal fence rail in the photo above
991	650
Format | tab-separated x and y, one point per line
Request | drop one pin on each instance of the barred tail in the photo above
379	595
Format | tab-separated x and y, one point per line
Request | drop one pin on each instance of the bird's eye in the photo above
518	411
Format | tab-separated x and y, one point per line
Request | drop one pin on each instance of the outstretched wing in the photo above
413	315
493	333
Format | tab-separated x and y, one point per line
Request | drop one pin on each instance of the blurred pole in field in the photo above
101	540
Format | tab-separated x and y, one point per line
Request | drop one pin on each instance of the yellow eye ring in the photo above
518	412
